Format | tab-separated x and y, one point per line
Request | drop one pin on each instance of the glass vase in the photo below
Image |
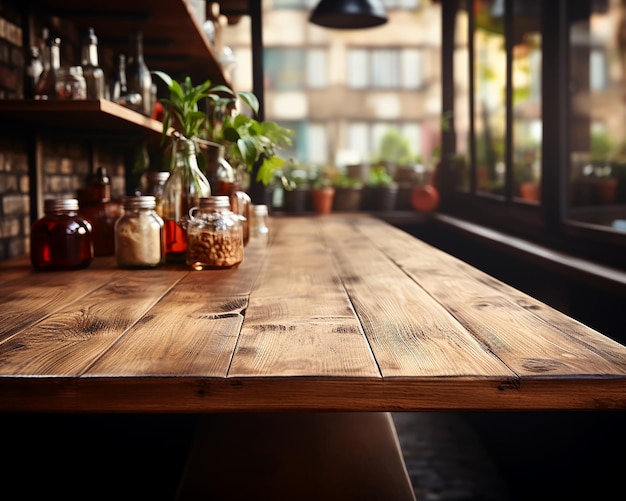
182	191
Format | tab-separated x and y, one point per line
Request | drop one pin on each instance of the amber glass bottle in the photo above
61	239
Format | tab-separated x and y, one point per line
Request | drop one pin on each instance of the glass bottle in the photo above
46	85
102	212
138	76
182	190
119	86
61	239
93	73
218	170
139	234
155	182
34	68
214	235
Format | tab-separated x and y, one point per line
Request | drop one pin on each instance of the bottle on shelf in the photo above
34	68
93	73
46	85
139	79
183	189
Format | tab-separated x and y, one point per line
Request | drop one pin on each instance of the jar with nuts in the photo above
214	235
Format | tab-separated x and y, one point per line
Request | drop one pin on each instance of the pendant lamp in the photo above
349	14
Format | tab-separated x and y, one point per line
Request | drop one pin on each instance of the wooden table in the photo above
340	312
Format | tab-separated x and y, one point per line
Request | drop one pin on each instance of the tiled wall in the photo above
14	198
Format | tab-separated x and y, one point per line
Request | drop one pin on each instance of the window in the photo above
384	68
364	139
534	139
295	68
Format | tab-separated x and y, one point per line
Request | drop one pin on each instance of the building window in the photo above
384	68
364	140
288	68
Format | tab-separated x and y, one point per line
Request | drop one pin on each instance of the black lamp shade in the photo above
349	14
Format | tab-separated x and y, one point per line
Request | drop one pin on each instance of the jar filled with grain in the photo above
214	235
139	234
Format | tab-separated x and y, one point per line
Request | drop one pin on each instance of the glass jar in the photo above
61	239
70	83
182	191
139	234
259	231
214	235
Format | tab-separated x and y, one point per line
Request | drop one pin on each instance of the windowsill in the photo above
562	263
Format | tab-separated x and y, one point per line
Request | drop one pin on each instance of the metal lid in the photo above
141	202
260	210
215	202
60	204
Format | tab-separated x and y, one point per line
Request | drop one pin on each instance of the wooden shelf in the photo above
173	39
89	116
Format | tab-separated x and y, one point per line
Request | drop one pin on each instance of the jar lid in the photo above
158	176
60	204
215	202
259	210
140	202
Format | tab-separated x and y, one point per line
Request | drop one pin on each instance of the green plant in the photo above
247	141
294	176
345	181
181	110
380	177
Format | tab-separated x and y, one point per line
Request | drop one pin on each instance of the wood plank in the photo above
75	333
190	332
528	341
300	321
410	333
47	292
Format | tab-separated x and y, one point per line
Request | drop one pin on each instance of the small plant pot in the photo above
347	199
322	200
296	201
380	198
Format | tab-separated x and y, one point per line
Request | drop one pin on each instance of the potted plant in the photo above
381	191
322	193
347	193
296	184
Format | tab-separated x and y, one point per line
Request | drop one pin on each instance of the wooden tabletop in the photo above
340	312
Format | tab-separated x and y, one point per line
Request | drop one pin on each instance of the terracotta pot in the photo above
322	199
530	191
607	189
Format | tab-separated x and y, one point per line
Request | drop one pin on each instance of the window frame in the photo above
546	223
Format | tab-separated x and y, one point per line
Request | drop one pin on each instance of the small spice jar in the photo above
61	239
259	231
214	235
71	83
139	234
